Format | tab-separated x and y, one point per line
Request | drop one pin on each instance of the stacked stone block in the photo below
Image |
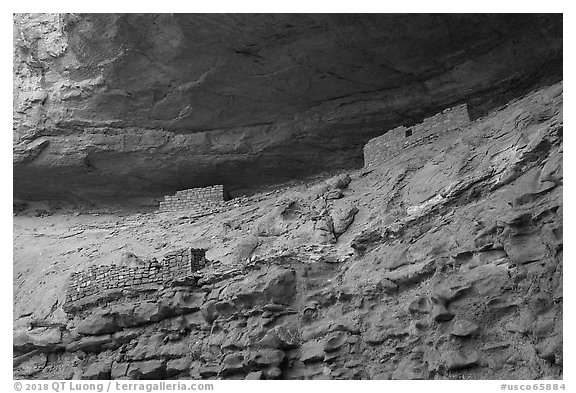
386	146
112	281
195	201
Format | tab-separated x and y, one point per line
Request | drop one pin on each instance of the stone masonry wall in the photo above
108	282
196	201
384	147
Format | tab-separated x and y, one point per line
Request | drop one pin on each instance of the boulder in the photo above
119	370
130	260
266	357
272	373
464	328
323	230
125	336
208	311
97	370
334	342
312	351
453	360
339	182
124	315
411	274
441	314
254	376
208	371
151	369
333	194
177	366
232	364
274	285
343	218
420	306
148	312
225	309
388	286
319	190
148	346
100	322
185	302
173	350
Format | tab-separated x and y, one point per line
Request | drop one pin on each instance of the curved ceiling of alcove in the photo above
116	106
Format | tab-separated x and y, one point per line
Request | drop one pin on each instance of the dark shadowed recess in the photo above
274	97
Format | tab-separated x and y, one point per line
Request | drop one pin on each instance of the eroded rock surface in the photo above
451	268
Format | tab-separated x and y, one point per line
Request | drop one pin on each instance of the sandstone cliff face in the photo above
111	106
443	263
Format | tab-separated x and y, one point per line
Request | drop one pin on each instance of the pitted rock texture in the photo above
451	268
114	106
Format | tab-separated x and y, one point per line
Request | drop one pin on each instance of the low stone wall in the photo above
384	147
197	201
108	282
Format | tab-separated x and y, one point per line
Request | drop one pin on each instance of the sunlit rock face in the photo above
117	106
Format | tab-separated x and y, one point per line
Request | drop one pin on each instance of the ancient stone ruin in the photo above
386	146
196	201
441	259
105	283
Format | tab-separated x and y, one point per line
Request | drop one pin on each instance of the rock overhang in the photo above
112	106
